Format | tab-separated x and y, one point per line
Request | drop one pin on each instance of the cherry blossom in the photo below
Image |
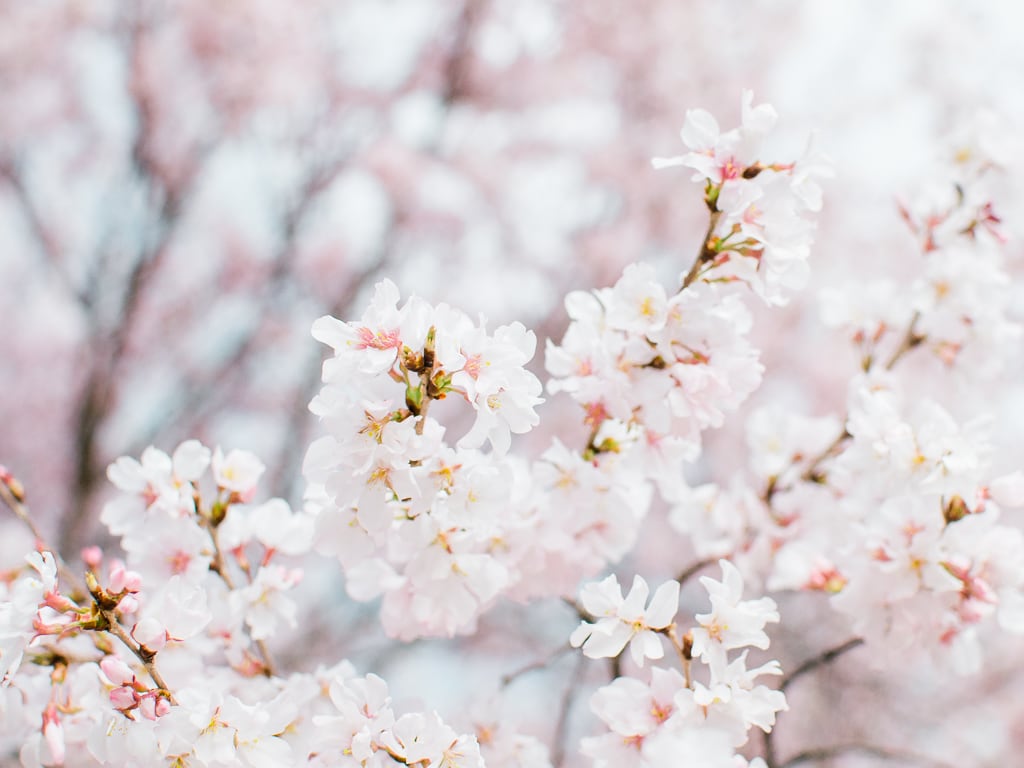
622	621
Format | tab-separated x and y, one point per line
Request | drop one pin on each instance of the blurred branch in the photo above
533	666
819	661
21	511
455	66
108	346
45	241
565	706
694	569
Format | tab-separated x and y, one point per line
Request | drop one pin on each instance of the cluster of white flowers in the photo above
189	680
960	302
674	718
407	515
654	370
759	233
162	658
926	559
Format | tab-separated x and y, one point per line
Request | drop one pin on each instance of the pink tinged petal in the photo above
700	130
53	733
663	607
122	698
150	633
147	706
116	671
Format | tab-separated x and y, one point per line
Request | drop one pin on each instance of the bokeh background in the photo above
186	184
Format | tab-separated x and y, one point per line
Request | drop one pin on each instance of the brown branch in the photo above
21	511
695	568
108	346
219	567
45	241
707	253
145	657
533	666
811	474
819	661
910	340
455	66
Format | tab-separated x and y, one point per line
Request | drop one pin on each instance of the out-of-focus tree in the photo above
186	185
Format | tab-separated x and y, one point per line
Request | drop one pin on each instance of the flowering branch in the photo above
707	252
106	605
514	675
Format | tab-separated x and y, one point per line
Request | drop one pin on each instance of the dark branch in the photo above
819	661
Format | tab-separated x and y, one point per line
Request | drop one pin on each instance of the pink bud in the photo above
163	706
128	604
92	557
147	706
116	671
123	580
150	633
122	698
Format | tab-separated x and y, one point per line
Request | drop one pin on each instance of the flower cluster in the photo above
162	660
959	302
653	370
673	717
758	233
892	509
407	515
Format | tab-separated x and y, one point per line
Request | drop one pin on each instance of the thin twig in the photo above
911	339
694	569
562	725
706	252
146	658
220	568
810	474
819	661
21	511
533	666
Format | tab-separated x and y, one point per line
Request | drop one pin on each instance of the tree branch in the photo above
819	661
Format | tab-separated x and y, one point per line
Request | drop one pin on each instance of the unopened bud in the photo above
13	484
688	646
150	634
752	171
92	557
955	510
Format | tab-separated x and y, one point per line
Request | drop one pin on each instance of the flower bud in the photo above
122	698
116	671
92	557
150	634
